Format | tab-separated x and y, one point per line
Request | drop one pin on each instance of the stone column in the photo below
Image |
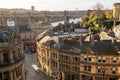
11	58
63	76
2	61
2	76
11	75
58	75
93	77
80	77
23	72
14	73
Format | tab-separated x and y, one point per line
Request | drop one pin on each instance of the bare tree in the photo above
98	6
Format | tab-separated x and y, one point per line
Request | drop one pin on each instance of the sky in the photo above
56	5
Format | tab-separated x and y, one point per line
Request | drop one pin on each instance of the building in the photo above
116	11
74	56
11	55
117	31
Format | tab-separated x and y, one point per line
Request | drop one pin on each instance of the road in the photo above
31	74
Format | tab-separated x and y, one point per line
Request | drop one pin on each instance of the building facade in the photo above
11	57
116	11
82	66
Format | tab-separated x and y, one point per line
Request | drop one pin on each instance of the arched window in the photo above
6	57
99	59
85	57
104	59
114	60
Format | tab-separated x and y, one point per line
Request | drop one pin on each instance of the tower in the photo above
33	8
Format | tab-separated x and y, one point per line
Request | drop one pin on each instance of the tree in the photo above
98	7
84	22
95	18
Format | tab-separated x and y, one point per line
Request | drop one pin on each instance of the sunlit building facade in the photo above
116	11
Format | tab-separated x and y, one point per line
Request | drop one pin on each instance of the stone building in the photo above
73	56
116	11
11	56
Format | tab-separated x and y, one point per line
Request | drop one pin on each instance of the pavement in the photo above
31	73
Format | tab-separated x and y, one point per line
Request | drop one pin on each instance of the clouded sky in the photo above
56	4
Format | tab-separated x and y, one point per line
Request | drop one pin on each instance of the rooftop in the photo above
80	42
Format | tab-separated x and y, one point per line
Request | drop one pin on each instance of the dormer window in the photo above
85	57
104	59
114	60
89	58
99	59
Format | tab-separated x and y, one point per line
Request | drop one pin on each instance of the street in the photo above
31	74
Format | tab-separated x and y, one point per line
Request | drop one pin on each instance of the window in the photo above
76	59
66	57
114	60
89	68
19	52
89	58
76	69
99	59
54	64
99	70
6	57
85	68
113	70
104	59
14	56
85	58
